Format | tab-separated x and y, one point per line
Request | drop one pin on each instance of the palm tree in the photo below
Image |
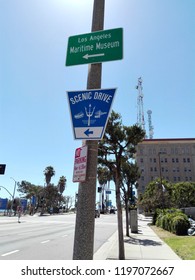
48	172
104	178
62	184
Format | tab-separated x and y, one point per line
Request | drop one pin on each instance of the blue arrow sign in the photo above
90	111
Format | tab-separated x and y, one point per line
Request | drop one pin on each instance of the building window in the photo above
187	150
154	160
188	159
184	160
173	160
141	160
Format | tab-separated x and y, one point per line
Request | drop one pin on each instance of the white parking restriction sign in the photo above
80	164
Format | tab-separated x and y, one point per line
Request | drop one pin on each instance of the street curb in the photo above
107	247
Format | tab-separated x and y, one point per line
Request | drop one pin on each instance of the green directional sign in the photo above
95	47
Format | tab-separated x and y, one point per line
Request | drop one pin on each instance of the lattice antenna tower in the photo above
151	128
140	105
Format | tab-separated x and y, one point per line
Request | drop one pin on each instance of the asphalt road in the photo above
47	237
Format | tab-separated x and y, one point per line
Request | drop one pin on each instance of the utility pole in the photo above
140	105
85	218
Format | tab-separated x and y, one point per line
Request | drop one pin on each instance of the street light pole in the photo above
6	191
14	187
13	193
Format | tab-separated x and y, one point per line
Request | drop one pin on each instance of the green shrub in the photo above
180	224
172	220
156	215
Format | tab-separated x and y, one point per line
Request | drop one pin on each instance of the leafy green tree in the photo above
51	196
183	194
28	189
168	195
156	195
118	146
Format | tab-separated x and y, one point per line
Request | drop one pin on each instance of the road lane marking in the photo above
45	241
9	253
32	231
64	235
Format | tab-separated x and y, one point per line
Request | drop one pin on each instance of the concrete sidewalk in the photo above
144	245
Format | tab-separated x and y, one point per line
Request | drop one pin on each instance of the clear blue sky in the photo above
36	129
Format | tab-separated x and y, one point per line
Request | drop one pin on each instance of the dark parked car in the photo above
112	210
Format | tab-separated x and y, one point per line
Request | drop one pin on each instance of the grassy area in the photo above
183	246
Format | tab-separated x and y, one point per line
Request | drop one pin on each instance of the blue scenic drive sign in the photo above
90	111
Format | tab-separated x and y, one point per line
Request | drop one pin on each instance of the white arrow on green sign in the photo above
95	47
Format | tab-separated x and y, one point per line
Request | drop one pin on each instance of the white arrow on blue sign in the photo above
90	111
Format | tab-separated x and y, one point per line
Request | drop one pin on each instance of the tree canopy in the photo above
167	195
47	196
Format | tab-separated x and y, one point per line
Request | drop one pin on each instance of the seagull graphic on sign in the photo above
90	111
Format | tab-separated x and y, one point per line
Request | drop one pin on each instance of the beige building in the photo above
170	159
